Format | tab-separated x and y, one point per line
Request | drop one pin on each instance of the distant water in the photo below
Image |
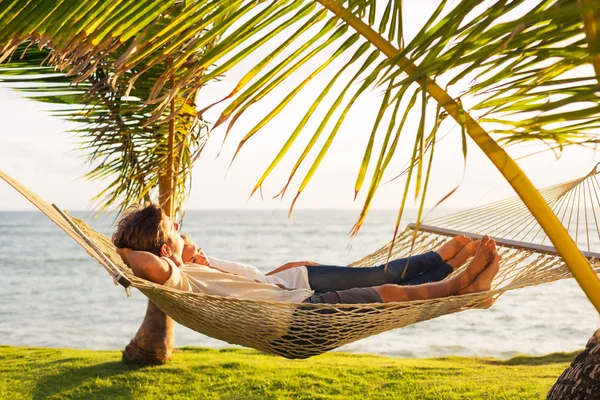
52	294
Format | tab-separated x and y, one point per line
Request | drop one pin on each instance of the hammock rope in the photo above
106	263
304	330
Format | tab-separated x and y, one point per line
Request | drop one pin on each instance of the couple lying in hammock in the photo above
150	243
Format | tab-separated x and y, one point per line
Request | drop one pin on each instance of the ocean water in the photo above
52	294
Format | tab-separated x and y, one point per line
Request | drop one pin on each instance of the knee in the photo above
387	290
391	292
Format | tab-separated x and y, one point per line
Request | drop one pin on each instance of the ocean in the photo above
53	295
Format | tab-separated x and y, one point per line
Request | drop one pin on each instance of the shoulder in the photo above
157	271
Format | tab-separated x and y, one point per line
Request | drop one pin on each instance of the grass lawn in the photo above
198	373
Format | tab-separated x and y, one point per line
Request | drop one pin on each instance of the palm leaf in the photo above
110	131
513	69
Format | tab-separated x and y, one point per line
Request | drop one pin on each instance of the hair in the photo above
142	228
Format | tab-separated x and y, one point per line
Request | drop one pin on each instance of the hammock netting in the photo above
303	330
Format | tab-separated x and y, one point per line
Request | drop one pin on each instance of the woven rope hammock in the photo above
304	330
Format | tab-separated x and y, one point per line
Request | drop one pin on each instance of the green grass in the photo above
198	373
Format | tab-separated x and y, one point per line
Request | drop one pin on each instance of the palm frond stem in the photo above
511	171
590	23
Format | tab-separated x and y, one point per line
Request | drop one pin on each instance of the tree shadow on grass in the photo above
100	380
554	358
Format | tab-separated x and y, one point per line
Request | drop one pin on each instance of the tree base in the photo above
153	343
134	353
581	380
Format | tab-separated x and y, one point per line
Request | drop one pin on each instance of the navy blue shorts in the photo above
349	296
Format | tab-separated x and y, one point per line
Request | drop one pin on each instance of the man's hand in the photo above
293	265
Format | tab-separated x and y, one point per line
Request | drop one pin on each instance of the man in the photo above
151	244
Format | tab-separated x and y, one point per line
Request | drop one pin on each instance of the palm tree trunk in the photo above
154	340
153	343
582	379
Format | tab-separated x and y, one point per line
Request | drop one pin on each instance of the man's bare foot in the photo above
464	254
492	270
483	256
483	282
452	247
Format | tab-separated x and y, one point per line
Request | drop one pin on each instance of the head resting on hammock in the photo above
148	228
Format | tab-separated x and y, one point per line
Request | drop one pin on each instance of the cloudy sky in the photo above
39	151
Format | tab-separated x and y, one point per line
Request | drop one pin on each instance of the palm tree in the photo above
504	71
142	157
137	158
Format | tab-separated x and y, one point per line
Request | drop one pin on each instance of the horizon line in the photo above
254	209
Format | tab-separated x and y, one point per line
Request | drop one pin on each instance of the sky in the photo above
38	150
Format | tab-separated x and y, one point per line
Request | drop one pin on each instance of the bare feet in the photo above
483	282
452	247
483	256
464	254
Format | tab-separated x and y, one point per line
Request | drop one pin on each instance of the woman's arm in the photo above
146	265
293	265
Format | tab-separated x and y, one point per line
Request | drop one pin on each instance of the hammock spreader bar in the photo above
515	244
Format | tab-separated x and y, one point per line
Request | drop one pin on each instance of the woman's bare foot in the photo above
452	247
464	254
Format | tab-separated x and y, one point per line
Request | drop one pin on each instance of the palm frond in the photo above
112	132
515	67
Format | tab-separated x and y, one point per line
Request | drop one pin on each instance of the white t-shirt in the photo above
208	280
292	278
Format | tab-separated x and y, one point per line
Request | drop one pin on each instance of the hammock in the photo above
304	330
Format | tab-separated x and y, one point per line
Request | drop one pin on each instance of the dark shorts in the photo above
348	296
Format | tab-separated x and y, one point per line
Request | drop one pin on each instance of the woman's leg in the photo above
455	252
440	272
435	274
325	278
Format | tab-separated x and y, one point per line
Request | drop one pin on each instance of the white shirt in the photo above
251	285
291	278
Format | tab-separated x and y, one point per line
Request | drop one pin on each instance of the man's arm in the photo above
146	265
293	265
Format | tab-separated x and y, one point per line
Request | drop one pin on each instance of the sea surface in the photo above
52	294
